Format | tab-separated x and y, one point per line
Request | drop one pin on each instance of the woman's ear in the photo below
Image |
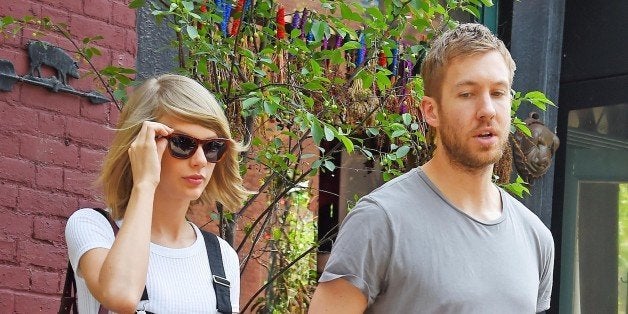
429	111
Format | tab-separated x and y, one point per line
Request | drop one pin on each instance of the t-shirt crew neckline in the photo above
505	208
176	252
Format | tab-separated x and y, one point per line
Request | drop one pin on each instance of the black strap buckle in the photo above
222	281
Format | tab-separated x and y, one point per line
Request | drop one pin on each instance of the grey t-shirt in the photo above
409	250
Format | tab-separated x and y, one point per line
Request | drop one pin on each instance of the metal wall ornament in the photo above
533	154
43	53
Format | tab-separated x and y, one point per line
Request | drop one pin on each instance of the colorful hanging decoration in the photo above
281	23
226	14
361	55
382	60
304	16
235	26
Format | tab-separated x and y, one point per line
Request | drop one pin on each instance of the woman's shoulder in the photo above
225	248
85	217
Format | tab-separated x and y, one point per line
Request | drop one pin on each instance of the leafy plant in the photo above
300	87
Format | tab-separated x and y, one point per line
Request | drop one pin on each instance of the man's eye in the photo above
465	95
499	93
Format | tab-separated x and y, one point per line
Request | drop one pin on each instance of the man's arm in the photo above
337	296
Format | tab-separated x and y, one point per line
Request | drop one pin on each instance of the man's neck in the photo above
470	190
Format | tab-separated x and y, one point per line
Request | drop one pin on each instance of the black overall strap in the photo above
115	233
68	300
219	280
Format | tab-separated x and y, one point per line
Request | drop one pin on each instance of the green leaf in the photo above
521	126
348	14
347	143
351	45
188	5
192	31
329	133
119	94
330	165
398	133
317	164
488	3
136	4
249	102
313	85
407	118
382	80
318	30
270	107
317	132
402	151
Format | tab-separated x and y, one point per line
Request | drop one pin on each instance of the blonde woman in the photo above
172	148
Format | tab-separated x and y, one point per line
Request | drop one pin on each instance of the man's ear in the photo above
429	110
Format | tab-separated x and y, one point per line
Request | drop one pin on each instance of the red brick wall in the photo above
51	146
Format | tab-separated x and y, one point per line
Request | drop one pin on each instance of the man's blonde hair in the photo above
466	39
181	98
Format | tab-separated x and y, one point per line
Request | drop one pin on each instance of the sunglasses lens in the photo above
182	146
214	150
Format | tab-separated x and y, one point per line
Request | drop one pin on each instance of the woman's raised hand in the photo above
146	152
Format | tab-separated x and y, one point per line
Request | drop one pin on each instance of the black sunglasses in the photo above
183	146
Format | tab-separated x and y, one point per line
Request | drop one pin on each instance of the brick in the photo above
44	281
55	14
88	132
90	159
49	229
123	15
17	56
114	115
19	8
17	170
51	123
49	177
14	277
8	250
79	182
18	118
31	303
15	225
8	194
75	6
123	59
53	203
96	113
7	301
49	151
42	254
90	203
82	26
41	98
130	42
99	9
9	146
99	62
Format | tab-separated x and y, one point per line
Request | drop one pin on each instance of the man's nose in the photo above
486	107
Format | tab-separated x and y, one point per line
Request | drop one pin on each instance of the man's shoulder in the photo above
529	219
400	185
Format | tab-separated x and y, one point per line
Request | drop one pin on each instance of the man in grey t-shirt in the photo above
443	238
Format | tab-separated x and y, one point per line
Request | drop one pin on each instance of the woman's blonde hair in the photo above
181	98
464	40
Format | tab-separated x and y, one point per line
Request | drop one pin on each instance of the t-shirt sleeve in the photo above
362	250
231	264
86	229
547	273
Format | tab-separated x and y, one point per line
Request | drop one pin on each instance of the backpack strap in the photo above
68	299
115	228
219	280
